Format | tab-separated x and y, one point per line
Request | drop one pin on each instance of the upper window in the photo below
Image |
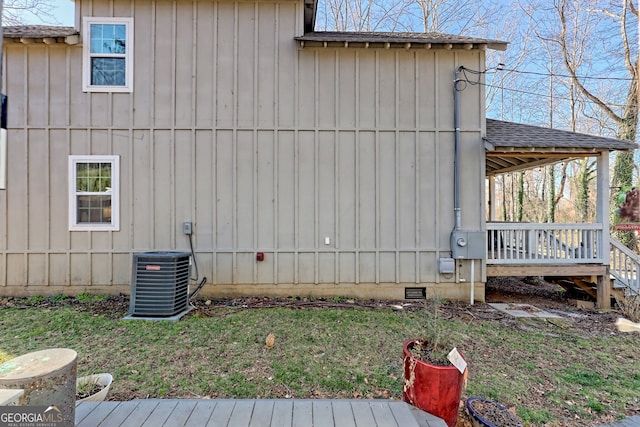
107	55
94	193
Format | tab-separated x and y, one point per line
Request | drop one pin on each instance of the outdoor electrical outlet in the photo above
186	227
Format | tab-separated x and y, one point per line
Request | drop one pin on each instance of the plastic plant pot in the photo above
492	414
103	379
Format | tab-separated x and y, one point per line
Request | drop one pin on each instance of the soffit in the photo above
514	146
396	40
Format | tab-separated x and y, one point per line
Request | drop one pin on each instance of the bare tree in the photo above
17	12
441	16
584	180
626	117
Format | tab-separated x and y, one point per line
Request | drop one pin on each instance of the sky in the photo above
64	12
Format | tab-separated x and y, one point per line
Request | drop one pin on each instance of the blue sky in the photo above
64	12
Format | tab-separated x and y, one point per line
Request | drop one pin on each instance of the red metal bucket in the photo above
434	389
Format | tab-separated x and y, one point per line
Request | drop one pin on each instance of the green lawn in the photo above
550	374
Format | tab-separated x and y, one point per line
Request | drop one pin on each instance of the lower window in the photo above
94	193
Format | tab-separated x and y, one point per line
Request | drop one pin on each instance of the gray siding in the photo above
264	146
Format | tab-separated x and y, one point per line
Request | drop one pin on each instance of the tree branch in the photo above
572	72
625	40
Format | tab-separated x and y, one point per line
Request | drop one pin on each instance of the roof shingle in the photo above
37	31
503	134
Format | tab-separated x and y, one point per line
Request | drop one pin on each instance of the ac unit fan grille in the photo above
160	284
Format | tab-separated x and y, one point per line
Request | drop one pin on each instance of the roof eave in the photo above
68	40
44	34
397	41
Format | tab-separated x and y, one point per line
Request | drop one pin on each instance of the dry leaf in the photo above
270	341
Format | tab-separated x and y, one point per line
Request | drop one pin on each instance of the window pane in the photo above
93	209
93	177
108	38
108	71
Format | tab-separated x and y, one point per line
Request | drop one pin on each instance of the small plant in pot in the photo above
93	387
433	370
485	413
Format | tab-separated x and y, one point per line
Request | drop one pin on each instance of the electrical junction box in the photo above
446	265
468	244
187	227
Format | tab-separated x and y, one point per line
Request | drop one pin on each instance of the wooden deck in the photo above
252	413
548	269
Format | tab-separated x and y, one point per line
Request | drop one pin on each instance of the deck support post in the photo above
603	300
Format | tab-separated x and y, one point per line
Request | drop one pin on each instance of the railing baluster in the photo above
511	243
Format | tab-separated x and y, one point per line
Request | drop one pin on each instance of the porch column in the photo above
492	198
602	203
603	292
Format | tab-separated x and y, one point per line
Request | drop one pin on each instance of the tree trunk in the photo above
551	194
520	211
624	166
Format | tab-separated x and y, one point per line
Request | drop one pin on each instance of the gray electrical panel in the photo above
467	244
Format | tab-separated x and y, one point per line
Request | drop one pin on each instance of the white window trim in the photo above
115	193
86	55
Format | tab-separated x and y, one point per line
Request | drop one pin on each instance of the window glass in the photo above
108	71
108	38
107	54
93	193
93	177
93	210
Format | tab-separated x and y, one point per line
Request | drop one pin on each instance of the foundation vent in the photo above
415	293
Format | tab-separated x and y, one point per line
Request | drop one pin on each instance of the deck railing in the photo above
624	267
517	243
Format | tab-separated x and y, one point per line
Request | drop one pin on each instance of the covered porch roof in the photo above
514	146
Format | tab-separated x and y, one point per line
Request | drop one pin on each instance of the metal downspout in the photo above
456	158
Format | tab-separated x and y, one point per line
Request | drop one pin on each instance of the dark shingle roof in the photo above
382	37
503	134
37	31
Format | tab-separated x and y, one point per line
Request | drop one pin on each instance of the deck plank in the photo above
160	415
262	413
384	417
180	413
343	413
89	414
142	412
402	414
362	414
322	413
221	413
302	413
117	417
241	414
201	413
425	419
282	413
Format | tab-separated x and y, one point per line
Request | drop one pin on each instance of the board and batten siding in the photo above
264	146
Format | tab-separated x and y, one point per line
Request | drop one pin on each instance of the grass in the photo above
330	353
